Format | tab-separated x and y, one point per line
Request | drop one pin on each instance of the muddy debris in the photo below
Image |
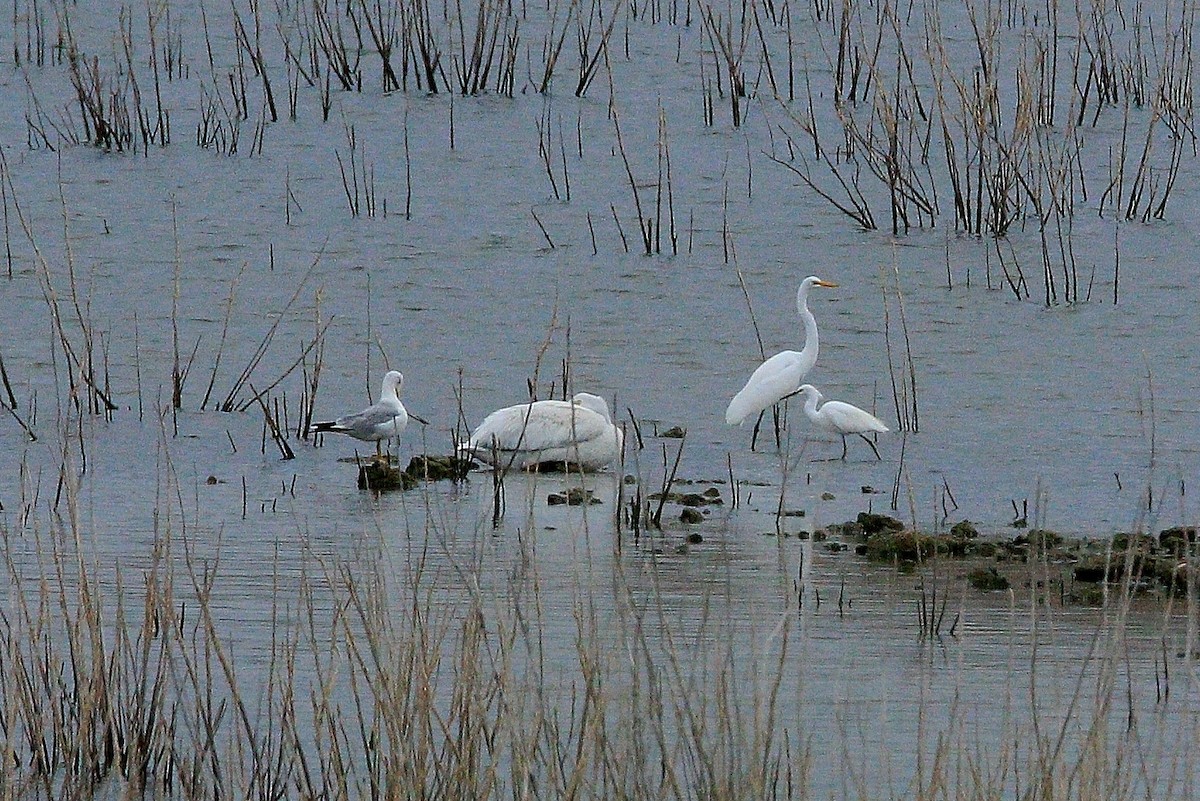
574	496
674	432
964	529
710	497
1084	566
691	515
379	475
988	579
439	468
383	474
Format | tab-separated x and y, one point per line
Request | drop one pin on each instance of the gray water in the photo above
1074	409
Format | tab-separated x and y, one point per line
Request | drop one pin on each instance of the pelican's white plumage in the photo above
840	418
380	421
578	432
780	376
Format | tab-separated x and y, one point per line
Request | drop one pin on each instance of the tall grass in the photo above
409	668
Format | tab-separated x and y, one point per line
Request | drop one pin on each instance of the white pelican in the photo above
840	418
779	377
577	432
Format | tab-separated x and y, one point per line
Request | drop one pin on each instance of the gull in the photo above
380	421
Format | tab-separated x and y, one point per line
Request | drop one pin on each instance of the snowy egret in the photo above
578	432
840	418
386	419
779	376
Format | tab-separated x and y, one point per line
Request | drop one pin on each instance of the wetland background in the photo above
204	202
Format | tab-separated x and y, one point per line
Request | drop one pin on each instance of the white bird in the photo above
779	377
578	432
840	418
380	421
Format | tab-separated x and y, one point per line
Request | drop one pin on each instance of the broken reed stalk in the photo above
544	147
664	181
644	223
230	401
278	433
82	364
904	389
589	53
338	37
637	429
493	44
4	184
254	52
381	23
668	480
854	206
731	50
358	176
11	405
317	343
541	227
312	381
224	331
408	183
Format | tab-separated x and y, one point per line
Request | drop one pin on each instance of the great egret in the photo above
840	418
578	432
779	376
386	419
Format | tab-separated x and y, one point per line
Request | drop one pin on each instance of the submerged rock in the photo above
378	475
1040	538
709	497
382	473
1092	570
690	515
874	523
1139	562
964	529
1176	539
439	468
987	579
904	546
575	496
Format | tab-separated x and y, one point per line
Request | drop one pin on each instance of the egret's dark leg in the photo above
867	440
843	447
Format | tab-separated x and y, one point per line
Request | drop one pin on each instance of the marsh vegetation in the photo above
225	222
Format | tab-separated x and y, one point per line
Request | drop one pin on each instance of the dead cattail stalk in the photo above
668	480
228	404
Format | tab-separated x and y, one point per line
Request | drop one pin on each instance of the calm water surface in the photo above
1074	410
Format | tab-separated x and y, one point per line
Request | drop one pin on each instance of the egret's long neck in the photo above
812	341
810	401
